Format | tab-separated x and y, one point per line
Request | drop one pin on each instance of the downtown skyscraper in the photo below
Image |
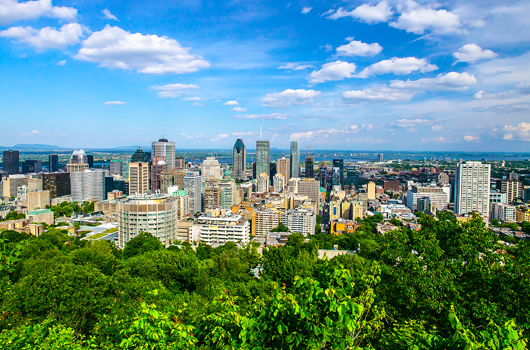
263	157
295	158
239	160
166	149
472	188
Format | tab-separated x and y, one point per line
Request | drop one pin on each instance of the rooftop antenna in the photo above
260	132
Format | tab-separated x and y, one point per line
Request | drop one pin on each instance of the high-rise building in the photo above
323	175
193	185
53	163
138	178
57	183
180	162
352	178
437	196
442	178
370	190
239	160
278	183
31	166
140	156
295	159
338	172
263	157
220	230
90	161
309	167
228	193
37	200
283	166
172	178
164	148
156	214
263	183
12	162
272	170
310	188
472	188
380	157
78	161
11	183
157	167
115	167
503	212
300	221
210	167
88	184
512	188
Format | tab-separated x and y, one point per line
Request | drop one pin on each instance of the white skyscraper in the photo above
193	185
88	184
472	188
164	148
211	168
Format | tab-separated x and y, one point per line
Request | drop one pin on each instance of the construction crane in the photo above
309	150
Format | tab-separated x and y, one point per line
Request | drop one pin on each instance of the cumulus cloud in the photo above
244	133
271	116
398	66
239	109
219	137
305	10
435	140
231	103
323	133
472	53
366	13
418	19
295	66
470	138
437	128
451	81
33	132
13	11
173	90
520	132
289	97
109	15
333	71
358	48
116	48
192	99
61	63
115	103
46	38
375	95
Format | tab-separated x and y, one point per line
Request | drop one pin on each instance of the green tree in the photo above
144	242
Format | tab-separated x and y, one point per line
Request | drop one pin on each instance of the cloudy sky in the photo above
355	75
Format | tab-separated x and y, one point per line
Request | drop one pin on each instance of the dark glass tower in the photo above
90	160
338	172
309	167
239	159
53	163
11	162
140	156
263	157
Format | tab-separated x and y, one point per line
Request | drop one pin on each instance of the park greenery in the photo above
450	285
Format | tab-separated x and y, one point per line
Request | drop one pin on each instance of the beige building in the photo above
263	221
522	214
311	189
41	215
172	178
72	168
138	178
12	183
370	190
37	200
108	207
263	183
278	183
283	166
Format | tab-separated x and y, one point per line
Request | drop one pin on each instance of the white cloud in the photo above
109	15
417	19
231	103
271	116
451	81
469	138
306	10
398	66
289	97
46	38
435	140
61	63
352	129
358	48
173	90
244	133
333	71
192	99
381	94
33	132
366	13
437	128
520	132
411	123
239	109
219	137
295	66
116	48
473	53
12	11
115	103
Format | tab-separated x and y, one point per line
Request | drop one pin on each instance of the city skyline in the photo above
382	75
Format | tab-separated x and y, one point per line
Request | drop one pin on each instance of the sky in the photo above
338	75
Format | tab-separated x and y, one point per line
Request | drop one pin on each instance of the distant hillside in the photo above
35	146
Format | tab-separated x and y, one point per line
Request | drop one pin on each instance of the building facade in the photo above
472	188
263	157
295	158
53	163
138	178
193	185
11	161
88	184
239	161
166	149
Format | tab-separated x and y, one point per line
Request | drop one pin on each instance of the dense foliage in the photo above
448	286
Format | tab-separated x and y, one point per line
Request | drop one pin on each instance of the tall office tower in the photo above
88	184
380	157
472	188
78	161
263	183
339	164
283	166
115	167
11	162
57	183
263	157
180	162
159	165
278	183
254	175
210	167
512	188
295	159
309	167
228	193
53	163
239	160
138	178
370	190
310	188
31	166
322	175
352	178
140	156
193	185
272	170
90	161
164	148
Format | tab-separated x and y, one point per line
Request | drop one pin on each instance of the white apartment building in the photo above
472	188
220	230
503	212
278	183
263	221
435	194
193	185
211	168
300	220
263	183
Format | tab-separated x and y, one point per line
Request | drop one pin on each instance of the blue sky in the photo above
355	75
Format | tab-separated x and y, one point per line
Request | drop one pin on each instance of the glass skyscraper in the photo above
166	149
263	157
239	160
295	159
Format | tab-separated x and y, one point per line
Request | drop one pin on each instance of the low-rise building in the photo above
220	230
41	215
300	221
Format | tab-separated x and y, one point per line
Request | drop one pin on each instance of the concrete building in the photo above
88	184
210	168
183	203
41	215
278	183
193	185
12	183
138	178
172	178
108	207
512	188
391	185
300	221
57	183
228	193
497	197
295	159
311	189
239	161
115	167
220	230
158	166
442	178
503	212
436	195
263	157
11	160
522	214
283	166
263	183
78	161
180	162
370	190
166	149
472	188
37	200
156	214
263	221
